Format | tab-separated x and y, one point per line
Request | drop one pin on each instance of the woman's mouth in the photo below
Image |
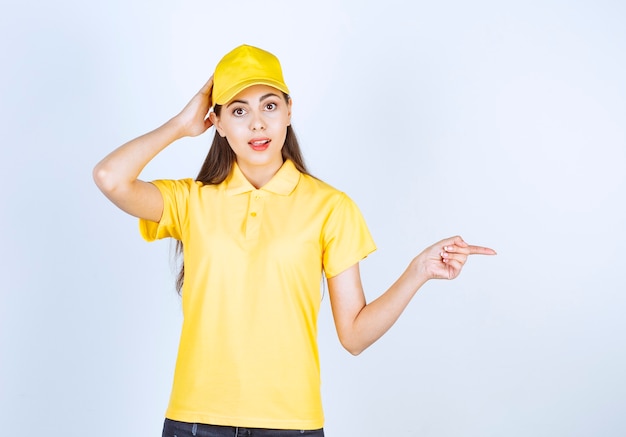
259	144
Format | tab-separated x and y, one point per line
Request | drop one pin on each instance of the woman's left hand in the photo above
445	259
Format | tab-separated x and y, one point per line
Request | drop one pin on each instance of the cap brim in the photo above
227	95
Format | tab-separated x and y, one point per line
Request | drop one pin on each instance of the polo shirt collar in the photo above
282	183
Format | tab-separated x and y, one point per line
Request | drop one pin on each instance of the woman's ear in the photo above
289	111
216	122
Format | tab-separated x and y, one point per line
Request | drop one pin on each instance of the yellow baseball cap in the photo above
243	67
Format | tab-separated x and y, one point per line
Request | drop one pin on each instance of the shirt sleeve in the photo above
175	206
346	238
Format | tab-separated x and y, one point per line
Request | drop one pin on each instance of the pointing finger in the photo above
479	250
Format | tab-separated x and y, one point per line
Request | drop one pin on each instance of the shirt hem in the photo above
243	422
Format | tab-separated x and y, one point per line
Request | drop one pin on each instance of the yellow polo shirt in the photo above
254	259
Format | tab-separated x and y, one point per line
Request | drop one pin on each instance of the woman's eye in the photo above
270	106
239	112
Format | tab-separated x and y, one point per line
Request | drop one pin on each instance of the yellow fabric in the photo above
243	67
248	352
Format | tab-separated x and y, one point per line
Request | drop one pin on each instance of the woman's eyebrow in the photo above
245	102
268	95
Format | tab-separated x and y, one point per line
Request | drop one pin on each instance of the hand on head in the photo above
445	259
194	117
242	67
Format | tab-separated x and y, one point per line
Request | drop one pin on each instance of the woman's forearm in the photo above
360	324
122	167
375	318
117	174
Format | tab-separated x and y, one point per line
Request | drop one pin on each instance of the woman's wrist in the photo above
177	127
418	269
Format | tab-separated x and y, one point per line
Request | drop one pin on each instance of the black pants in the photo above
173	428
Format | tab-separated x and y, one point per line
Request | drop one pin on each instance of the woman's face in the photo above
255	124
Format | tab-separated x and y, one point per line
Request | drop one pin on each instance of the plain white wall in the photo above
501	121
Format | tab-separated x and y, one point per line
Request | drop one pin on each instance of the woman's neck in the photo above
261	174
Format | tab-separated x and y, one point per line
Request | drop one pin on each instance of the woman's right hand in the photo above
117	174
194	119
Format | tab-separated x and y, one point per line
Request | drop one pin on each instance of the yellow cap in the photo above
243	67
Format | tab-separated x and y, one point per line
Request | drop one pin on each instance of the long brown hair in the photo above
219	163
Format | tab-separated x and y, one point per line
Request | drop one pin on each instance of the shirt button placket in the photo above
254	220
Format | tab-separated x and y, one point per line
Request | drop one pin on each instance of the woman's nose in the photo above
257	122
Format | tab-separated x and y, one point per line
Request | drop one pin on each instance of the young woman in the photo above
257	232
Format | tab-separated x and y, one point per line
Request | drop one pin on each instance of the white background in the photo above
500	121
